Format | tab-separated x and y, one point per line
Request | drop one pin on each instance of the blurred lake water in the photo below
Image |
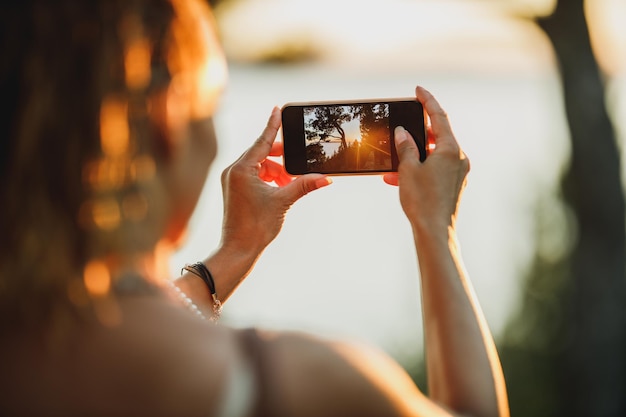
344	264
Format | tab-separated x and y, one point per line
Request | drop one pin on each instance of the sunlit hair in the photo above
80	149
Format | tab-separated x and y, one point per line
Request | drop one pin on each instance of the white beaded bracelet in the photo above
184	298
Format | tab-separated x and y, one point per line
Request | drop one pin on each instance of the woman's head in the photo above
107	107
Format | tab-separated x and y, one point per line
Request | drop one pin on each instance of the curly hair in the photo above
76	148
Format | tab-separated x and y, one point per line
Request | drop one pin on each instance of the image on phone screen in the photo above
347	138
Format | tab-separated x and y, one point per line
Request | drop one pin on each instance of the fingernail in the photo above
323	182
400	134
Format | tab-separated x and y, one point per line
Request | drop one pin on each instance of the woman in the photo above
105	149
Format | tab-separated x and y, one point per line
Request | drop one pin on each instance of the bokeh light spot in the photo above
114	130
106	213
137	64
97	278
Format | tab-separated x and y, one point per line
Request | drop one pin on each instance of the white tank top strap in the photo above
248	387
240	393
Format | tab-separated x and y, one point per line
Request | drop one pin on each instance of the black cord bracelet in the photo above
200	270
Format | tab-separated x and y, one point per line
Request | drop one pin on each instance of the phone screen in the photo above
348	137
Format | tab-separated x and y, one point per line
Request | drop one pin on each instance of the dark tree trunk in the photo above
592	368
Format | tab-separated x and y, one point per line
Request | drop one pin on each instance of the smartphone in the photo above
348	137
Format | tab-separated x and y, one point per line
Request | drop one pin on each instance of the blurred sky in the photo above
487	35
344	264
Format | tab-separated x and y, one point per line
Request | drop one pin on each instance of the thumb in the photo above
262	147
405	145
303	185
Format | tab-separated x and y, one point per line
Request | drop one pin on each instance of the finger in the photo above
283	178
304	185
391	178
277	149
269	170
262	147
273	171
430	140
405	145
439	123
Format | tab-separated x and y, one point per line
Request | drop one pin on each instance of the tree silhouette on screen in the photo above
322	123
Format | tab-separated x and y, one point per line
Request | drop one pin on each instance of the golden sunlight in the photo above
137	64
114	130
427	34
106	173
97	278
608	33
197	58
484	36
352	130
105	213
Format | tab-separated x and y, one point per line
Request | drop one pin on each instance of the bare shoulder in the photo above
159	360
181	360
339	378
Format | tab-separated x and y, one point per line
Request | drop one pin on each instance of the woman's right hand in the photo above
254	211
430	191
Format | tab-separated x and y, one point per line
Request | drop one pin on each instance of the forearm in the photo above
464	371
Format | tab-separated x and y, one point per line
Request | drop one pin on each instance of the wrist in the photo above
228	265
243	243
236	252
432	227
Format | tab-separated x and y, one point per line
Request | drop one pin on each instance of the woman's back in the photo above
159	360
